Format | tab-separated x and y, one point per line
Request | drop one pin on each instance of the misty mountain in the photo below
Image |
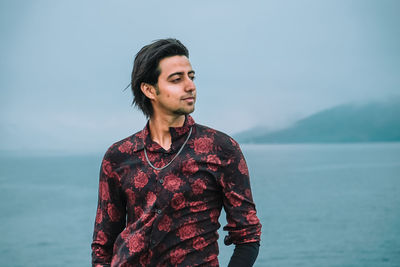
373	122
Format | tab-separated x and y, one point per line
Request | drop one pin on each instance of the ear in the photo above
148	90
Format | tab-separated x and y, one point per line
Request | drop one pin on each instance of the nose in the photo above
190	86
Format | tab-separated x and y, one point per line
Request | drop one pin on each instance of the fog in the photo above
65	64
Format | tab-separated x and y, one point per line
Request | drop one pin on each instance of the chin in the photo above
184	111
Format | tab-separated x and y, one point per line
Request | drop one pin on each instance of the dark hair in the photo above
146	68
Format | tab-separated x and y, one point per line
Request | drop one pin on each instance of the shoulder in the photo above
123	148
223	141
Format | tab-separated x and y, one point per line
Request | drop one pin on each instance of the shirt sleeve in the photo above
110	215
243	225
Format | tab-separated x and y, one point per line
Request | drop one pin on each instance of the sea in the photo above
319	204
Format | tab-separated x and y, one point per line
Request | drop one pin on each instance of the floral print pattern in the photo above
169	217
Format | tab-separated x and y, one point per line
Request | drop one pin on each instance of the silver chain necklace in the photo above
180	150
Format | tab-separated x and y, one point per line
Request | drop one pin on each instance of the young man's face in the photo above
176	91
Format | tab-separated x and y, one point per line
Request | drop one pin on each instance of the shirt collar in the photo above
143	138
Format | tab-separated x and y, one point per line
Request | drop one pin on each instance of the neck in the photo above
159	128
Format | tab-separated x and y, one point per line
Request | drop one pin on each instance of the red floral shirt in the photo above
169	217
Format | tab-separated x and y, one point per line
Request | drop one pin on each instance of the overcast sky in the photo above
64	64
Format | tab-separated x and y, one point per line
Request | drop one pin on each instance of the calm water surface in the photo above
320	205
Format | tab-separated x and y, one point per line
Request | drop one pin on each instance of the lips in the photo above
188	98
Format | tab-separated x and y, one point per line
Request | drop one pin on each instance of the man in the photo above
161	190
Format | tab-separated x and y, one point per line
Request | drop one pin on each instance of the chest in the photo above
191	178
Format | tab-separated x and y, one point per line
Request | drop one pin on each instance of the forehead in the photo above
173	64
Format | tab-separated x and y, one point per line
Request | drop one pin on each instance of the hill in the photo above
373	122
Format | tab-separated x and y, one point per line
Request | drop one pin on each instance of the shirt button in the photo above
161	181
159	211
153	242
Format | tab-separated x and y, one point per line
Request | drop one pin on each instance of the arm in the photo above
243	225
244	255
110	216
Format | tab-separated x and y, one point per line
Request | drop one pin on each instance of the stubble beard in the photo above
179	111
182	111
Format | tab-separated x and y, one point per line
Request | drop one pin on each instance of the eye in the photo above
176	80
192	77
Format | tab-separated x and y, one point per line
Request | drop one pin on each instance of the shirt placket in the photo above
155	237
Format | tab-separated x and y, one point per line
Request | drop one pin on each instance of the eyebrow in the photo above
180	73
